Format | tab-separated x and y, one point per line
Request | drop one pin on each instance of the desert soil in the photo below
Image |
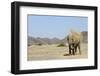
50	52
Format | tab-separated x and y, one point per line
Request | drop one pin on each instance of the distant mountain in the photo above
38	40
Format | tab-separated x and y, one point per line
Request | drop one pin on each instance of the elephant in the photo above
74	40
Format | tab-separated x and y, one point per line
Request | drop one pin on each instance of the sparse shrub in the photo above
61	45
30	44
39	44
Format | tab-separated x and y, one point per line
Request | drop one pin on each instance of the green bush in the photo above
39	44
61	45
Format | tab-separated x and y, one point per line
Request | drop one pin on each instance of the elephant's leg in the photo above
79	49
69	49
73	51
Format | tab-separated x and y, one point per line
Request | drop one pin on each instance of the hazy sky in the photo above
55	26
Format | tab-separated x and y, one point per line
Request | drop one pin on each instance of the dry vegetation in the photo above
49	52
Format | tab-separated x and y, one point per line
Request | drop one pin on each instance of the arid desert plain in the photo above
52	52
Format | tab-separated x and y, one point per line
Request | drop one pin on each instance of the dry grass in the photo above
49	52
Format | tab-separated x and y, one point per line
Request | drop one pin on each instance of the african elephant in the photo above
74	40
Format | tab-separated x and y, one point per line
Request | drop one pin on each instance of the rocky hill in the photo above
85	36
38	40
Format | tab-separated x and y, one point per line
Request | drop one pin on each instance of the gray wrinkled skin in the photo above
73	44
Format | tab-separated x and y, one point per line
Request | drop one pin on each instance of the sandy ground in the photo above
49	52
